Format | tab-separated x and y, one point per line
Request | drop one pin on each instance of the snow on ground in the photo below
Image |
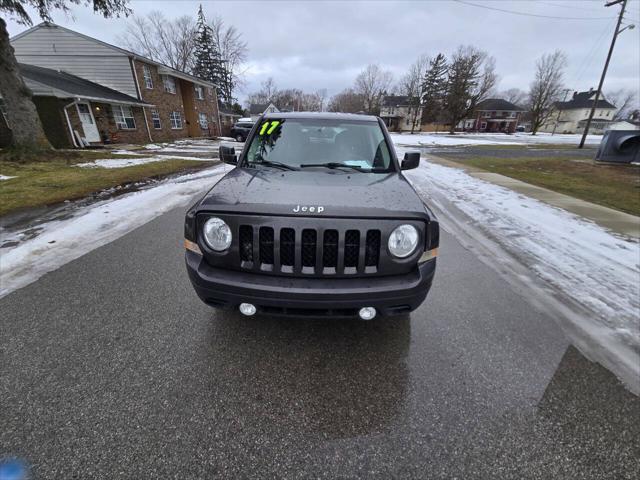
5	177
61	241
424	139
586	263
128	162
196	149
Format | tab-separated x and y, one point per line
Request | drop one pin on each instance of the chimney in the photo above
575	94
590	90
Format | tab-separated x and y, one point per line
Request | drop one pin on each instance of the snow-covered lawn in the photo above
444	139
195	149
128	162
587	264
61	241
5	177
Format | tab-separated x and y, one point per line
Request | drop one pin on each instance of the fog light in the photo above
367	313
247	309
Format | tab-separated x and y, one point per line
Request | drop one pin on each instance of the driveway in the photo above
112	368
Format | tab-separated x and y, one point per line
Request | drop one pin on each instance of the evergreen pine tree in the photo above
434	87
208	61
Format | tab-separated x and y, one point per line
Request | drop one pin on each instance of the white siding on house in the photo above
59	49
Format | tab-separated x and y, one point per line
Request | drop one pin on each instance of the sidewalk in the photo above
609	218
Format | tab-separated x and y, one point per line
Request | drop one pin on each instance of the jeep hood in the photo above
270	191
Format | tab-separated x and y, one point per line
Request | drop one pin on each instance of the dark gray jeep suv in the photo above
316	219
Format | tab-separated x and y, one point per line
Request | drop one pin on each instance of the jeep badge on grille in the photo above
310	209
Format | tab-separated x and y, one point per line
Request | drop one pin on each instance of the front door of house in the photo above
88	122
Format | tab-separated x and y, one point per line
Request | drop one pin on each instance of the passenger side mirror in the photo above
411	160
228	154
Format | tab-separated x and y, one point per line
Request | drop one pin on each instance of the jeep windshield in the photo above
294	143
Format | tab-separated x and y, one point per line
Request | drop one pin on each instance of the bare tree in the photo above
23	119
233	50
267	93
624	100
322	96
546	89
470	78
411	86
347	101
166	41
514	95
372	83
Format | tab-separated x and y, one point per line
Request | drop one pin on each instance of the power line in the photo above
572	7
526	14
586	63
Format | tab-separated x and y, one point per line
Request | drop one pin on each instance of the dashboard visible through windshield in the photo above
294	144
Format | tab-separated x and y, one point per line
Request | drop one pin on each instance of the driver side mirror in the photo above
411	160
228	155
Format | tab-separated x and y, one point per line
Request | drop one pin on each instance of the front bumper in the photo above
309	296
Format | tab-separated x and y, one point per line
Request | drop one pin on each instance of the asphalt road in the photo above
110	367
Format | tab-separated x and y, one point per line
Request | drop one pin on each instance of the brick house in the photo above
171	104
493	115
77	112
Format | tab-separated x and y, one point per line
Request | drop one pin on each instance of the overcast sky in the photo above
324	44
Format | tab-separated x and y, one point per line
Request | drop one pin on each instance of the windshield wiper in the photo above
270	163
336	165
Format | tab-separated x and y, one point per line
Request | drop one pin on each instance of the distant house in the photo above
493	115
257	109
398	113
571	116
170	104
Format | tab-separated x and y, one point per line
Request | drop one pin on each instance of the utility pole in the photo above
606	66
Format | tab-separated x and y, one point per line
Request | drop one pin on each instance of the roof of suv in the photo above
323	116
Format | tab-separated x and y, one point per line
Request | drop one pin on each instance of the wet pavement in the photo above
110	367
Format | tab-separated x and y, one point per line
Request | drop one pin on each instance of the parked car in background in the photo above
241	129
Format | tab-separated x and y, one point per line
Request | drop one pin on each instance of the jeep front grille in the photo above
289	250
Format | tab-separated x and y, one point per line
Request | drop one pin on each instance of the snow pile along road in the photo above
585	263
424	139
61	241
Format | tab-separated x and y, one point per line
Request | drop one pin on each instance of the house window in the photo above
486	114
199	92
123	116
483	125
512	114
210	91
169	84
148	81
176	120
204	123
155	119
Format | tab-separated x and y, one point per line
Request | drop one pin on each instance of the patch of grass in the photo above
612	186
44	183
13	155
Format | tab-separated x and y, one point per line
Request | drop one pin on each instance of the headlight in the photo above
217	234
403	241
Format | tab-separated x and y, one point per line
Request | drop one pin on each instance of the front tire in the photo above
239	138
